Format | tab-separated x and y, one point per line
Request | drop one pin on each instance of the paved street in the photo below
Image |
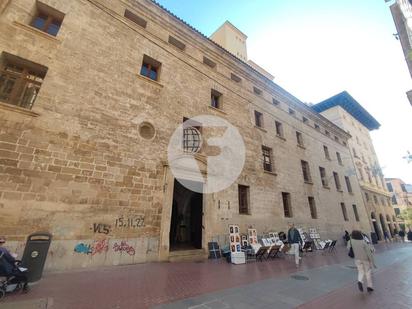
328	282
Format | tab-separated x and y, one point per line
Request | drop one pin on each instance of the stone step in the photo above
187	255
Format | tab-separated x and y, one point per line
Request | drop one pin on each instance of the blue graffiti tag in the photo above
83	248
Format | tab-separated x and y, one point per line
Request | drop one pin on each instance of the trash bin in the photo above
374	238
35	253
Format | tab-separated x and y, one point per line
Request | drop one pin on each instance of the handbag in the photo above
350	253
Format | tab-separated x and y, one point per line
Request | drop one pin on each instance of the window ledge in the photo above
270	173
308	182
150	80
17	109
260	128
340	190
301	146
217	109
281	137
36	31
326	187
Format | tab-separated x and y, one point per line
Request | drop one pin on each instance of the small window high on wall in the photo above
150	68
47	19
134	18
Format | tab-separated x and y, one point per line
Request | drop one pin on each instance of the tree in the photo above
406	215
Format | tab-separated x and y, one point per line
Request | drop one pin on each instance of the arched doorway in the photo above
376	226
383	225
388	221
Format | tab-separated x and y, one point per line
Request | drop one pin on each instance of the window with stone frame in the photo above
355	212
243	195
339	158
337	181
312	207
344	212
259	119
367	197
287	206
150	68
326	151
267	159
394	200
47	19
375	199
192	136
216	99
323	177
348	184
279	129
299	138
306	171
20	80
136	19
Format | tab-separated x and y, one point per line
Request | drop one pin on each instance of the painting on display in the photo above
252	234
234	237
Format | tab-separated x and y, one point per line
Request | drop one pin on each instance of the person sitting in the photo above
9	266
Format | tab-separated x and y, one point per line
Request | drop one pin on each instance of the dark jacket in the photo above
7	262
296	236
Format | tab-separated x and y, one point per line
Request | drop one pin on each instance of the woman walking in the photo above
364	259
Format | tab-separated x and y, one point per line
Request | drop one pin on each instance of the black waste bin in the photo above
374	238
35	253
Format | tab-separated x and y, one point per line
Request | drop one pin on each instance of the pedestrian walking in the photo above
346	237
364	259
386	236
294	240
410	235
402	235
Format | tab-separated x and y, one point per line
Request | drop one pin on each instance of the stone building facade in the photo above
401	198
91	92
348	114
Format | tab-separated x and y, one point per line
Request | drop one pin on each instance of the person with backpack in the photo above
362	252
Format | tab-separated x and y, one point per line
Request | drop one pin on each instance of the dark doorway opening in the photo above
376	226
186	221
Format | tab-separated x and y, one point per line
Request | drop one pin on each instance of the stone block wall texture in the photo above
76	166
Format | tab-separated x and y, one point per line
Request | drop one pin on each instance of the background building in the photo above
402	15
343	110
401	197
91	92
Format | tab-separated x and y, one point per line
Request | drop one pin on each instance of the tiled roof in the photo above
348	103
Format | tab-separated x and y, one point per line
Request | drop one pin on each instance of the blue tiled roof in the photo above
348	103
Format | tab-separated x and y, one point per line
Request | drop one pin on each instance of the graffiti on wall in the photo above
98	246
124	247
101	228
129	222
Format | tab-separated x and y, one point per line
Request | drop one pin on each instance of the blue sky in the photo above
318	48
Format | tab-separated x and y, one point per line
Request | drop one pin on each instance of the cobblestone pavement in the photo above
216	284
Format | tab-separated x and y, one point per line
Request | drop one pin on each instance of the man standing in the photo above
294	239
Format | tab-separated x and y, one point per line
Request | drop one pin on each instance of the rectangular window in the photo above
235	78
326	151
327	133
287	207
47	19
134	18
394	201
389	185
279	129
339	158
150	68
306	171
291	111
348	185
403	188
355	211
258	119
336	138
215	99
337	181
375	199
345	214
305	120
323	177
312	207
275	102
257	91
397	211
243	199
20	80
191	140
175	42
267	159
367	197
317	127
299	138
209	62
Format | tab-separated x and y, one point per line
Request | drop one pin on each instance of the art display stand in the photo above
237	256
